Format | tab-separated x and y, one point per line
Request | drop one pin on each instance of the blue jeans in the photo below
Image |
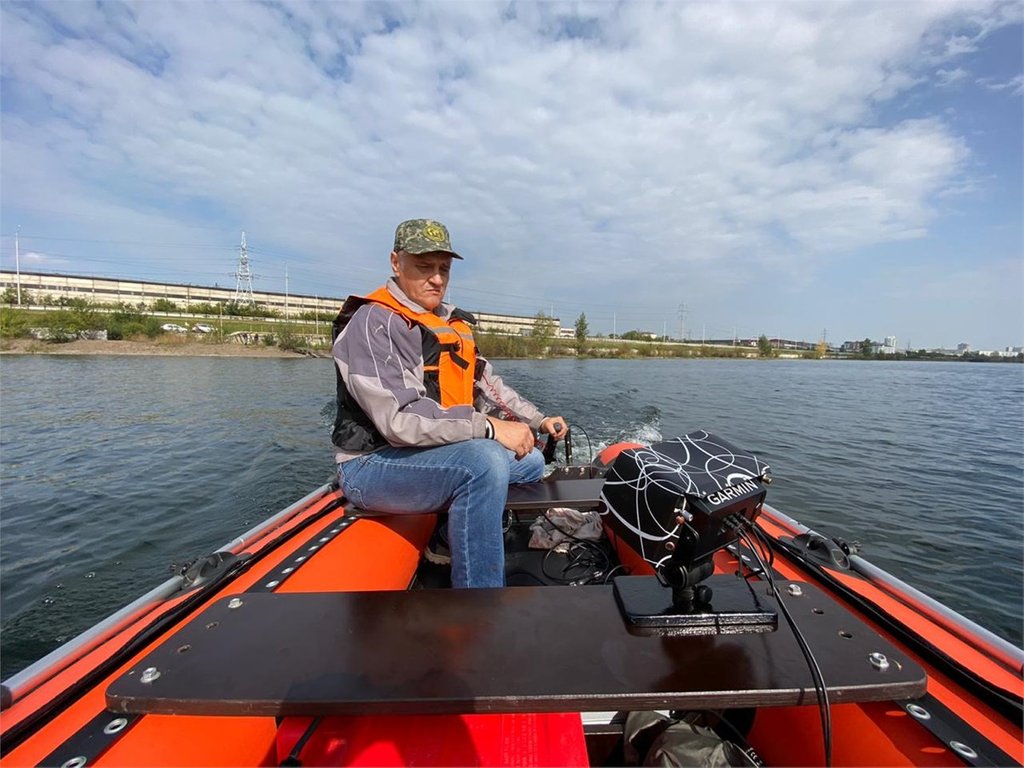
471	478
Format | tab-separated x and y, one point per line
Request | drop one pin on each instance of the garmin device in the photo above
676	503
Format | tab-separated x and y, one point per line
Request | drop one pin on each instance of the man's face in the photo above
423	277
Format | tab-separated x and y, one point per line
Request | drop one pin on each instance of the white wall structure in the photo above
104	290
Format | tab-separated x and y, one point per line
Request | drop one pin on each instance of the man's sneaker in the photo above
437	551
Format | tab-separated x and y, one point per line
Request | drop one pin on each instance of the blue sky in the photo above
785	169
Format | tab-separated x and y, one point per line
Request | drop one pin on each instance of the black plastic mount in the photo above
731	608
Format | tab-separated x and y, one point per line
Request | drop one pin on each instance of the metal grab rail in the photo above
59	659
982	640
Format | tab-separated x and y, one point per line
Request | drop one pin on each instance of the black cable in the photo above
745	561
819	681
293	757
587	545
608	576
740	739
560	579
590	451
581	558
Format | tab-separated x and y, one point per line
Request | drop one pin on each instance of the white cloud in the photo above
595	141
1015	85
950	77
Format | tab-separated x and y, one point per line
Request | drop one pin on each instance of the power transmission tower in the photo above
243	277
682	321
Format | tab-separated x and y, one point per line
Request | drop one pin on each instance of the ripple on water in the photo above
147	463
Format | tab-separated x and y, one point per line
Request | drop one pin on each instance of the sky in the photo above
846	170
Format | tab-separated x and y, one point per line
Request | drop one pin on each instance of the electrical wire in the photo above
589	556
821	690
740	739
591	470
751	571
608	576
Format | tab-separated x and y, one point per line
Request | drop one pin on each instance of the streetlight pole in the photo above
17	261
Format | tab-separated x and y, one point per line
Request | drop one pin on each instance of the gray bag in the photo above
652	739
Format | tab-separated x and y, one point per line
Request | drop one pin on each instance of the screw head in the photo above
878	661
235	602
149	674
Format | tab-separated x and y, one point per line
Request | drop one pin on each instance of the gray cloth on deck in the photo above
561	524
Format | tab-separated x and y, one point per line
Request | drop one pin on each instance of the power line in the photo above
126	242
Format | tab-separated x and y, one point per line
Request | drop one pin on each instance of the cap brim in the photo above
451	253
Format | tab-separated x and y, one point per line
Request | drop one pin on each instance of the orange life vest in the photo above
449	349
450	367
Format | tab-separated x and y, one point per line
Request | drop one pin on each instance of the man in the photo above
423	422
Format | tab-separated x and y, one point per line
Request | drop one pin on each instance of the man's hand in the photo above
555	426
514	435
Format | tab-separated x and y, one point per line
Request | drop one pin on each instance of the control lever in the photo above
551	444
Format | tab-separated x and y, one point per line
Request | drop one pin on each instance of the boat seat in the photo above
576	494
351	510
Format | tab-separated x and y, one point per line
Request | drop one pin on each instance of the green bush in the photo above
10	296
75	303
65	324
14	323
127	327
497	345
289	341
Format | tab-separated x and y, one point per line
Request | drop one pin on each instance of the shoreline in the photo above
177	346
166	347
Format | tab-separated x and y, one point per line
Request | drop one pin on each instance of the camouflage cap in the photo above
423	236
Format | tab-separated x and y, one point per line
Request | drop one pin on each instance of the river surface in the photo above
114	471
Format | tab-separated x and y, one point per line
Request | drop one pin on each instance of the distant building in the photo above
508	325
47	288
963	348
888	346
102	290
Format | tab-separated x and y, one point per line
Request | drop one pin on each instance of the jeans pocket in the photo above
348	474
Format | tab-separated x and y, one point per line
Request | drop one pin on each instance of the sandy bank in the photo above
162	346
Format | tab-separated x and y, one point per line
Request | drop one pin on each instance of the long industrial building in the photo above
49	288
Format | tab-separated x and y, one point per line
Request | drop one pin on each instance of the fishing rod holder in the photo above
677	503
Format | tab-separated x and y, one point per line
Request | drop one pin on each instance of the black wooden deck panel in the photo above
526	649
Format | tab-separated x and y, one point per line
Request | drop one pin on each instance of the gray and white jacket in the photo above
380	359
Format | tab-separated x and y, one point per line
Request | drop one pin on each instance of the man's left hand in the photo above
555	426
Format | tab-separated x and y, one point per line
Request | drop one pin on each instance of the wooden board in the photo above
525	649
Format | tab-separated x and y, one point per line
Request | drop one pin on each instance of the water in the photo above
116	470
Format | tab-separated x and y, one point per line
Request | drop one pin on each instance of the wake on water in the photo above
588	440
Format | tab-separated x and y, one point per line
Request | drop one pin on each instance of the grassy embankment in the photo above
131	324
68	323
497	346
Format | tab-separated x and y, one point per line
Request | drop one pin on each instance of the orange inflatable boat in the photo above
664	614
